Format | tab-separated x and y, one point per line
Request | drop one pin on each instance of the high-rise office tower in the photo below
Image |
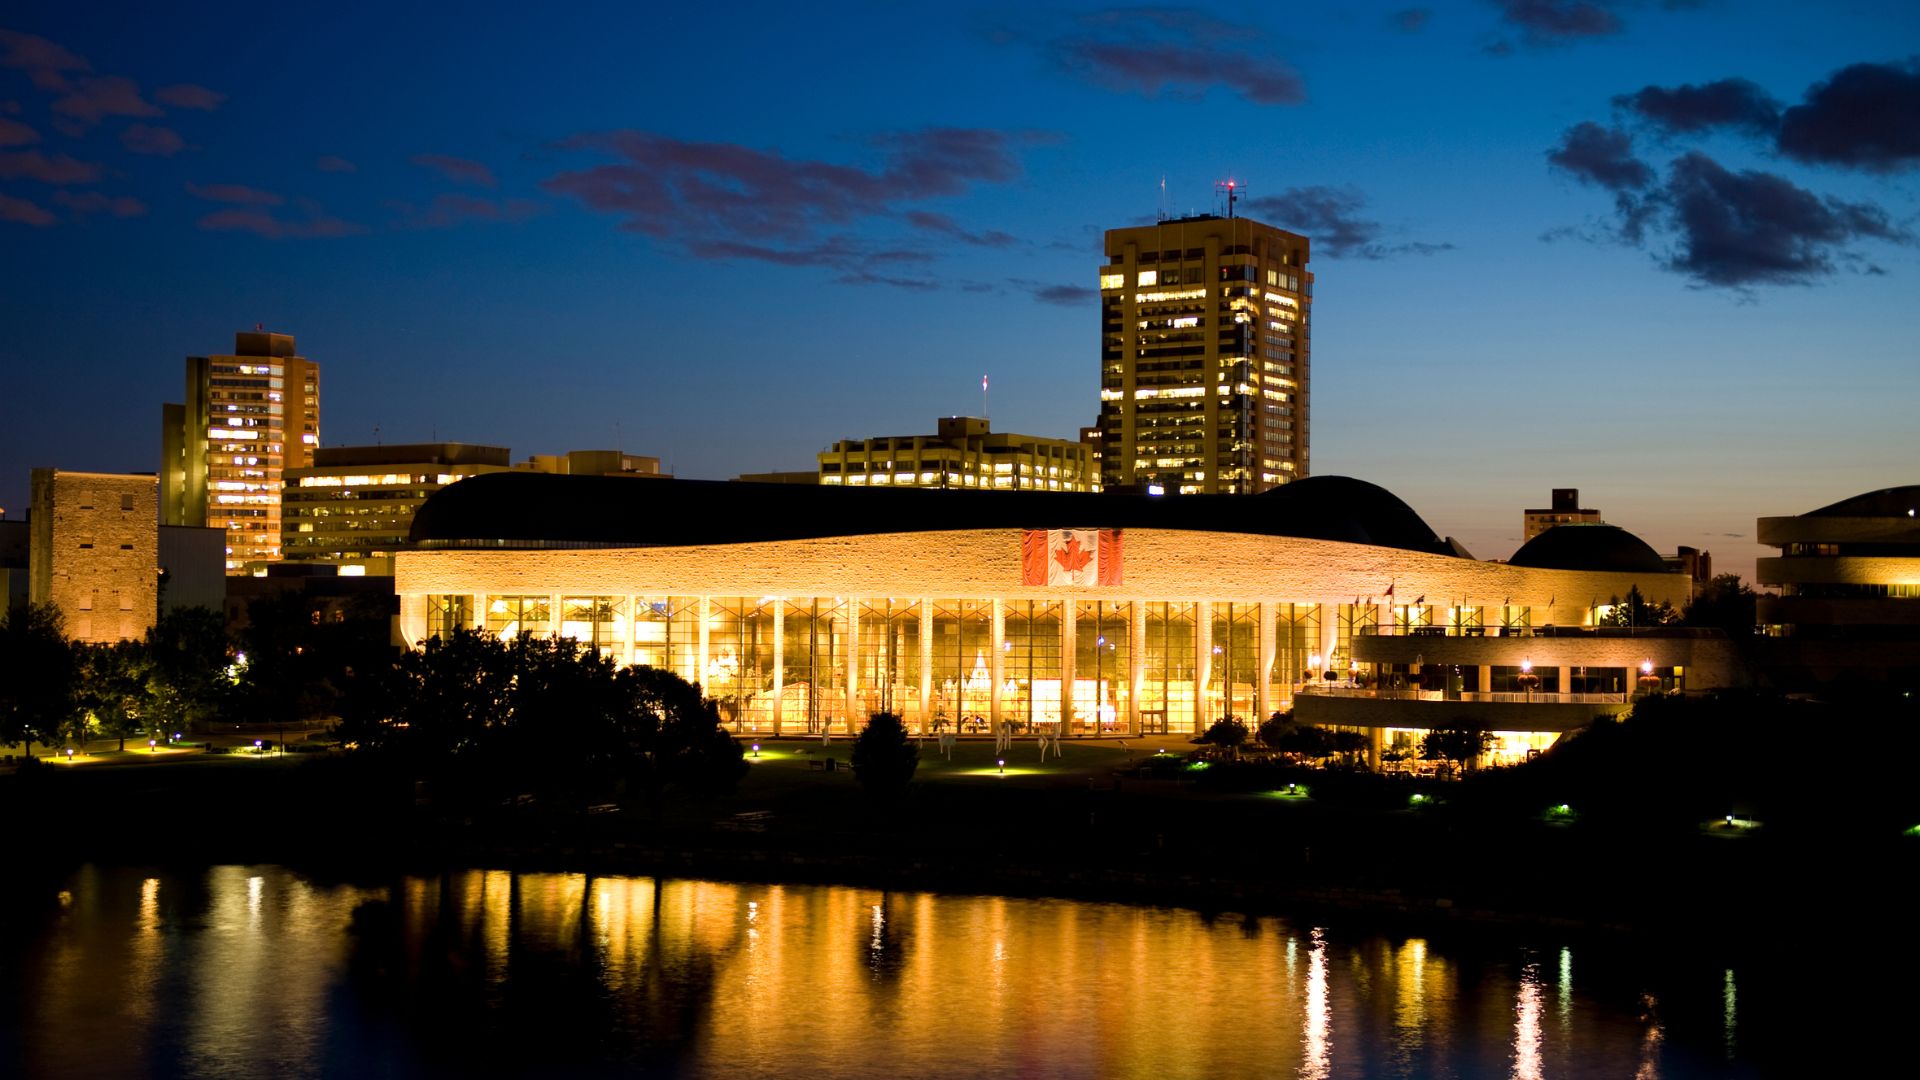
248	417
1204	356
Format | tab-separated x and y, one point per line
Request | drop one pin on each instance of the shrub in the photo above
884	758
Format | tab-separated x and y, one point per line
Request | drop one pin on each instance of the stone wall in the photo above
95	551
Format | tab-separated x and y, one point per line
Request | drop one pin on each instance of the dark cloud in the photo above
147	139
1756	228
235	193
1602	156
1063	295
91	98
57	169
1156	50
946	226
329	163
1685	110
305	222
43	61
458	170
1410	20
15	133
1866	116
24	212
726	201
456	208
1558	22
189	96
1331	218
86	203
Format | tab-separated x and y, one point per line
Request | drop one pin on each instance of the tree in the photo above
39	675
187	660
884	757
1460	742
1349	745
1228	734
1635	611
1726	603
114	690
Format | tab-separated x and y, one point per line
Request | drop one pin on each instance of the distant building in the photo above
1566	510
962	453
1692	562
796	476
327	595
1204	357
13	561
248	417
354	504
1849	581
193	568
94	551
595	463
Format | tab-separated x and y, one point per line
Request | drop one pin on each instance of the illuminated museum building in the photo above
1204	357
962	453
1849	581
803	607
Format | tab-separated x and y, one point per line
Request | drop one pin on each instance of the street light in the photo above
1003	765
1528	680
153	746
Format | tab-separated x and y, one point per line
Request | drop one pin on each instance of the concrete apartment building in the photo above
247	418
1204	357
962	453
94	551
1566	510
353	505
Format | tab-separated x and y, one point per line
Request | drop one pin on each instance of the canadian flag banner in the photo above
1071	557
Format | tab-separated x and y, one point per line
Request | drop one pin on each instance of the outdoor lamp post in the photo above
1527	678
153	746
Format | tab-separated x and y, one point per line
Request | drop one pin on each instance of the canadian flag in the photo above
1071	557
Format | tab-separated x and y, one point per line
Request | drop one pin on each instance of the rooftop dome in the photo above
1377	515
1589	546
1887	502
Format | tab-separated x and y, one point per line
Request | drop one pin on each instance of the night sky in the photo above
1663	252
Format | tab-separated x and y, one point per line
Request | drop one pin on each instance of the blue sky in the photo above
1663	252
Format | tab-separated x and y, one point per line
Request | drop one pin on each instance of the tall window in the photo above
1030	692
1166	685
815	665
1234	673
889	660
598	622
1102	666
652	618
739	672
962	666
1296	638
511	616
447	613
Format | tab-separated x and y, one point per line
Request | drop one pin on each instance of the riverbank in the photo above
1078	827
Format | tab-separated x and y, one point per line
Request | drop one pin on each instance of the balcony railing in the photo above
1503	697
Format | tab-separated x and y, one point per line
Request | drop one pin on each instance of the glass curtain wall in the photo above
447	613
511	616
1102	667
962	666
889	661
652	621
1296	637
1030	694
1235	671
598	622
739	673
1166	686
814	697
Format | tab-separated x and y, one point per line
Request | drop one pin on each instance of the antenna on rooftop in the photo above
1231	189
984	414
1163	196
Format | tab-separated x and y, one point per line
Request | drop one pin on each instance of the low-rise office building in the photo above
803	609
963	453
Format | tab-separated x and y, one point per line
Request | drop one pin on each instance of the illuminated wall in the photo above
938	627
94	552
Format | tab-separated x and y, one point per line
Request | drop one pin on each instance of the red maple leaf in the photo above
1072	557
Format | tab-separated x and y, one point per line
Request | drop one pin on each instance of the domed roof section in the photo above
1589	546
1887	502
1372	513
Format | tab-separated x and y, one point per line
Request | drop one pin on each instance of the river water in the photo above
259	971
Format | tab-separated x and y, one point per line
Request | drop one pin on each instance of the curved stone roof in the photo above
519	509
1589	546
1887	502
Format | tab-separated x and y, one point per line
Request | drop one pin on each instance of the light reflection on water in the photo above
250	971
